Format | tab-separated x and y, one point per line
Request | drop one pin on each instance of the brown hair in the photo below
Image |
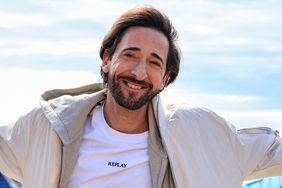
144	16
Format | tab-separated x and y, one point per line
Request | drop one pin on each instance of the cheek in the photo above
157	79
120	66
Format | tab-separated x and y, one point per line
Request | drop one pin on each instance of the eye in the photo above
130	55
156	63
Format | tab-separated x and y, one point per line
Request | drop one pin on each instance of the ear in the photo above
106	62
164	81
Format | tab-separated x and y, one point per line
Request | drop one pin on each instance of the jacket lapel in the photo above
70	155
159	163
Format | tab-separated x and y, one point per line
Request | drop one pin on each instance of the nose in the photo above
139	70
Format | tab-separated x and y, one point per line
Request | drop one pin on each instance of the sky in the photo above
231	53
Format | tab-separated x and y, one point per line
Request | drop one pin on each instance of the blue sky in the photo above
232	53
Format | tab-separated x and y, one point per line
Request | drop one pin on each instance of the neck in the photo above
125	120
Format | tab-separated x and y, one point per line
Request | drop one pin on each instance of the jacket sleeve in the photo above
259	152
13	145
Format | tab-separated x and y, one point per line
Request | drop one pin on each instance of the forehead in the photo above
146	39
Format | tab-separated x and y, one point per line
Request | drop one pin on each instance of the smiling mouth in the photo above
133	85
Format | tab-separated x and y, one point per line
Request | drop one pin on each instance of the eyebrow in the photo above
138	49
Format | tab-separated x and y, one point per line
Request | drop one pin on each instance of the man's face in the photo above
136	72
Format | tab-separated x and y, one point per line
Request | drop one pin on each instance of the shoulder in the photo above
184	116
32	116
186	112
29	122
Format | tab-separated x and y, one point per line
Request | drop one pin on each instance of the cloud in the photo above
16	20
264	118
99	11
59	12
202	29
210	100
221	14
25	46
21	88
210	26
204	26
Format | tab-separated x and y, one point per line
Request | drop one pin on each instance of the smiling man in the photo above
118	134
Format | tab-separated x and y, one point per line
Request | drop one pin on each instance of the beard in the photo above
132	102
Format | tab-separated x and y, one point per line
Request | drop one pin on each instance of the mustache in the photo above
139	82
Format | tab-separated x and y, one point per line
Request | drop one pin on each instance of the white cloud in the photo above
103	12
82	47
200	99
265	118
99	11
204	26
207	26
16	20
245	15
215	44
21	88
202	29
221	14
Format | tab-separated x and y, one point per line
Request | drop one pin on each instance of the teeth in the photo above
134	86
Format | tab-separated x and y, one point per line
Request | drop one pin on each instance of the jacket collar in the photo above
67	109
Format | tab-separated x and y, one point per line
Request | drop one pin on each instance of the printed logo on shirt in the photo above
116	164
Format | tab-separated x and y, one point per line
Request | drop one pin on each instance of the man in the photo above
122	136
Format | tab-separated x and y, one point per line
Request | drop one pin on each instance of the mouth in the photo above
135	84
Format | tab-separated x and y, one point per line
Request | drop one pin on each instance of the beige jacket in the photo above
191	148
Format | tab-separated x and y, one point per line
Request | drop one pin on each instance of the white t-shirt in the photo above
108	158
